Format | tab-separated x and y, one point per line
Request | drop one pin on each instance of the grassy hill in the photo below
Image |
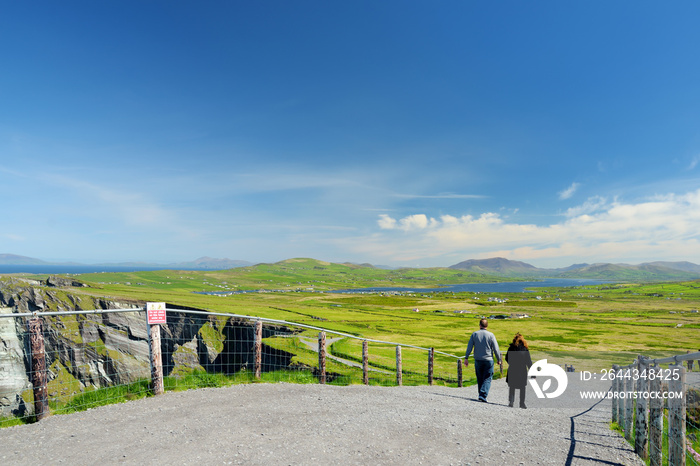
500	266
624	272
653	271
293	274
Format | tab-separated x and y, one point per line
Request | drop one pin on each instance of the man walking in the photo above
484	345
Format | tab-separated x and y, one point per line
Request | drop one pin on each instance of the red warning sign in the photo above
156	313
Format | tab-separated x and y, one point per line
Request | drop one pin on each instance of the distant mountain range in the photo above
13	259
203	263
496	266
645	271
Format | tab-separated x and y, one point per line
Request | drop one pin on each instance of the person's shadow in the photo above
475	400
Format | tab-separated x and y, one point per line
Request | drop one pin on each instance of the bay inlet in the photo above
500	287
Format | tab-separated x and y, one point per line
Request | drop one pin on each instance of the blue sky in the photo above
397	132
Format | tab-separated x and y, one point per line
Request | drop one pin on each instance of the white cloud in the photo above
662	227
386	223
568	192
410	223
414	222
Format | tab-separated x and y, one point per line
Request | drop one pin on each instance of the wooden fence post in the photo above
656	420
156	360
39	379
322	357
620	400
399	369
431	361
258	349
615	400
365	362
641	423
629	404
623	402
459	373
676	416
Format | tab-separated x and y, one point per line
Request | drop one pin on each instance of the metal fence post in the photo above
656	420
641	423
365	362
399	369
39	378
676	416
258	349
322	357
431	362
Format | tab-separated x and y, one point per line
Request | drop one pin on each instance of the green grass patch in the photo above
15	421
102	397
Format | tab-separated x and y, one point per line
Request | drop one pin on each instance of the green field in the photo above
634	318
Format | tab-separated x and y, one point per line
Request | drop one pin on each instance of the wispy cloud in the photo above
440	196
568	192
694	162
258	182
130	207
591	205
12	172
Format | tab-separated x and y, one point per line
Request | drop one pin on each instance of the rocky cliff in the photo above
13	374
89	351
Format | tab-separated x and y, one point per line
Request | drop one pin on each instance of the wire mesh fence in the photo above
81	359
62	362
692	390
657	406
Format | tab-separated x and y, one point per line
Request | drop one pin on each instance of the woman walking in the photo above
519	362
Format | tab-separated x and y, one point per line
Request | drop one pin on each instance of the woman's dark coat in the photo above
519	361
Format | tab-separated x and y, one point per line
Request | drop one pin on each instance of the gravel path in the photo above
281	424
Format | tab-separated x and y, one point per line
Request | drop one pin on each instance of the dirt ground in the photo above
288	424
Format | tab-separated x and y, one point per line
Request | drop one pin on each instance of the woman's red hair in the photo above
518	340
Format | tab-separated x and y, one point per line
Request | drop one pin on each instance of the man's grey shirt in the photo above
484	344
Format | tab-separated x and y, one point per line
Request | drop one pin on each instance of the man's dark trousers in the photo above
484	372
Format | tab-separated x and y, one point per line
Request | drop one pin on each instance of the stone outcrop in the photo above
62	282
13	376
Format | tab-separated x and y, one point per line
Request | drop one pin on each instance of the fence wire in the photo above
93	358
692	389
